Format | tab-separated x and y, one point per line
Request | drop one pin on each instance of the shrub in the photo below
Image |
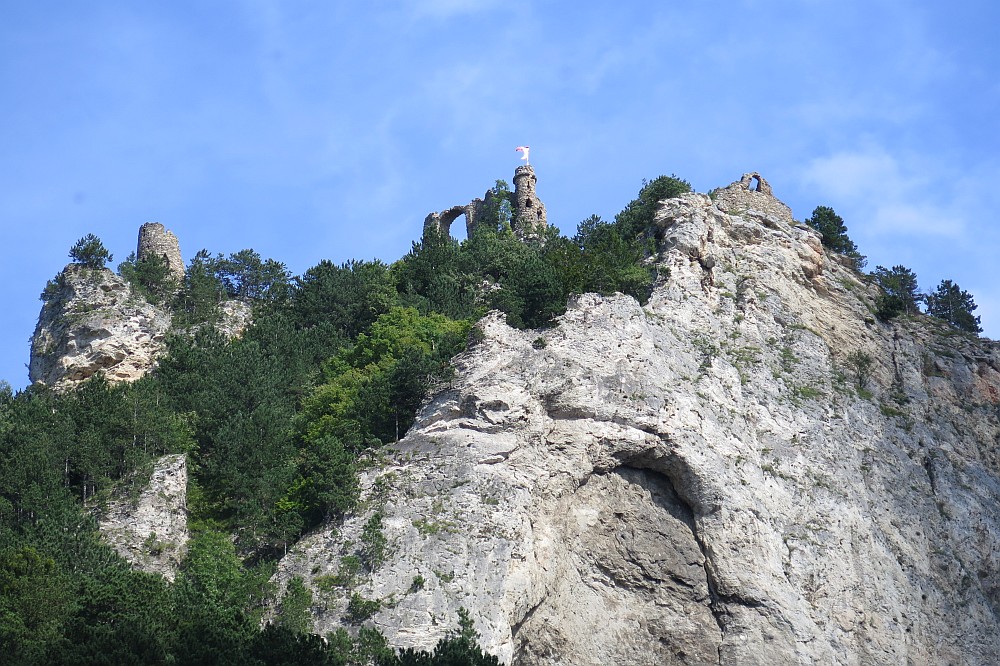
861	364
360	609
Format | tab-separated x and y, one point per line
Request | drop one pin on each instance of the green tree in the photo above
246	275
374	387
457	648
955	306
498	209
294	612
834	234
609	259
201	292
437	276
861	364
335	303
637	217
899	292
35	603
90	252
151	277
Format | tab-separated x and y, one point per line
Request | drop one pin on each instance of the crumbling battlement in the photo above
157	240
751	194
528	210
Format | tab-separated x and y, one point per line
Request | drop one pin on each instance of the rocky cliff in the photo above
93	320
705	479
150	531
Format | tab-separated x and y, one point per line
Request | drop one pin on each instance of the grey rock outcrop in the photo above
699	480
92	320
151	531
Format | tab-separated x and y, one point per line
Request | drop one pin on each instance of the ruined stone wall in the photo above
752	193
528	209
157	240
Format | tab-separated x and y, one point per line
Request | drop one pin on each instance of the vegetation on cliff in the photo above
276	424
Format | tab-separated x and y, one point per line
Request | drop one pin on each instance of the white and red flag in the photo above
524	150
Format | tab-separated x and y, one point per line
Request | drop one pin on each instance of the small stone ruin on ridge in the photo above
529	211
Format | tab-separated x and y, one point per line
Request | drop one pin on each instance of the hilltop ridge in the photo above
737	462
708	478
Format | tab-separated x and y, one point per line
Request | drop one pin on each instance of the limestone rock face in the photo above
234	318
93	321
151	531
703	480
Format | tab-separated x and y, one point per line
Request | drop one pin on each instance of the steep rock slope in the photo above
694	481
93	320
150	531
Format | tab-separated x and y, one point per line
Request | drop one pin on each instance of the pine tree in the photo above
834	232
955	306
90	252
899	287
638	215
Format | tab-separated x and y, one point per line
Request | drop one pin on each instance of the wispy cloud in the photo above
894	196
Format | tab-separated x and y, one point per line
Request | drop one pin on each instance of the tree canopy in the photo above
949	302
899	291
89	251
834	232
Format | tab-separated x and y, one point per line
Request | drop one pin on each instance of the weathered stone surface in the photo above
529	211
157	240
235	317
151	531
698	480
752	193
93	321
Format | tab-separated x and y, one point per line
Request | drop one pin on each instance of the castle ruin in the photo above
751	193
157	240
528	219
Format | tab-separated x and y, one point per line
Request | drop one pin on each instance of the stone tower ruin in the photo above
157	240
528	210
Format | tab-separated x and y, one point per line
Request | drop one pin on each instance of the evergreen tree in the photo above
151	277
955	306
831	226
638	215
201	292
899	292
294	612
90	252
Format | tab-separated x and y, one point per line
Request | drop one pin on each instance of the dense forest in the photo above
276	425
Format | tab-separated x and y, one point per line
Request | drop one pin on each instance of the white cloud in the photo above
893	196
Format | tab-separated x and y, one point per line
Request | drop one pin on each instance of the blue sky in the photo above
312	130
